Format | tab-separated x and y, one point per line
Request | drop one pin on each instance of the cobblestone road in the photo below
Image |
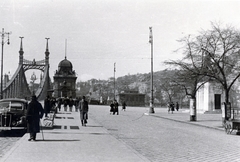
165	140
6	143
160	139
7	140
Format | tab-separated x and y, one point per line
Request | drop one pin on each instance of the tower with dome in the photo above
65	80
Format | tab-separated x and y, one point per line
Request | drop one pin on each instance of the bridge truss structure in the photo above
18	87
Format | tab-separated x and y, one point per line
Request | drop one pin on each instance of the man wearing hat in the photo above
34	114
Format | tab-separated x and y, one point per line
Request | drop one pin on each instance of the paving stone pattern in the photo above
6	143
160	139
162	136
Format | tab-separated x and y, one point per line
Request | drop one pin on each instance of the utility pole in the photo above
151	108
3	35
114	80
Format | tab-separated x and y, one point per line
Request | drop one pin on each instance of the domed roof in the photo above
65	64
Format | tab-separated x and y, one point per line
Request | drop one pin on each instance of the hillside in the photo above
135	82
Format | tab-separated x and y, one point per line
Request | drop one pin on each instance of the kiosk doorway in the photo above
217	101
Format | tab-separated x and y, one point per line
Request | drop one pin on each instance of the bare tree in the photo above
212	54
189	81
215	54
168	86
221	49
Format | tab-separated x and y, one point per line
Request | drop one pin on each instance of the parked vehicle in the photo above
13	114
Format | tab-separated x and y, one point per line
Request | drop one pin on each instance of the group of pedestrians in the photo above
114	107
68	103
171	107
35	112
49	104
81	105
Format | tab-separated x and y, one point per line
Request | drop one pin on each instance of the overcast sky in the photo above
101	32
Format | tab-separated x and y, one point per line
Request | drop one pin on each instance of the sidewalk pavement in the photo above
69	141
213	121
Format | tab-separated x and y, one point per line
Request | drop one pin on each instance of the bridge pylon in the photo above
18	87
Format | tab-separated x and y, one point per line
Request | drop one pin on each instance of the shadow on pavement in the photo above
55	140
94	126
12	133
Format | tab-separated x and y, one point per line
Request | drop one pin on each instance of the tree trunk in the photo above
227	106
226	96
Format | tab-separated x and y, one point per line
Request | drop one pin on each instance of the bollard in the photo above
223	114
193	111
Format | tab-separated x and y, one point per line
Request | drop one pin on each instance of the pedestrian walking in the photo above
83	108
177	106
59	103
169	107
71	103
115	109
53	104
172	107
124	106
76	104
47	105
34	113
111	108
65	103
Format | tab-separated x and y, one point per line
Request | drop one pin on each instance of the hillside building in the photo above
132	98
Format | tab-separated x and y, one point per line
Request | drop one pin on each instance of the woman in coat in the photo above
111	108
34	114
115	107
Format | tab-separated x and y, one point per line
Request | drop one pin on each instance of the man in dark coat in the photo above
59	103
83	107
34	114
47	106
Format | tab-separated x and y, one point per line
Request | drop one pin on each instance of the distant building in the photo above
65	80
132	98
209	97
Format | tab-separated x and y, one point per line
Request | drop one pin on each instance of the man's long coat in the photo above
34	114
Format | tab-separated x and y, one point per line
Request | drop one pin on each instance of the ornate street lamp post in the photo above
114	80
33	79
3	35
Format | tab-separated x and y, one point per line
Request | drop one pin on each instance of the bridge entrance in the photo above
17	86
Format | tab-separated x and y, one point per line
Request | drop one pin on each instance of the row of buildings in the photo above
209	98
65	86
